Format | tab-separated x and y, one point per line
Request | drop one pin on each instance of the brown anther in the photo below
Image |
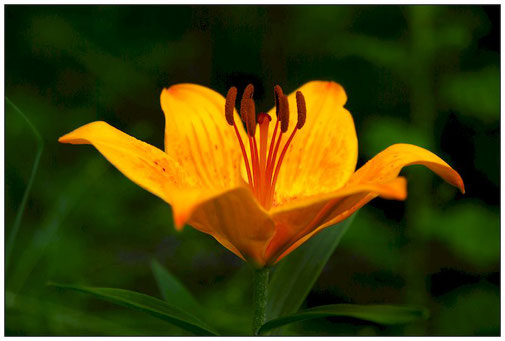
229	105
302	109
249	91
284	113
277	94
250	119
248	94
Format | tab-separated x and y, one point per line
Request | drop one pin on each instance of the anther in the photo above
250	119
249	91
284	113
248	94
229	105
277	95
302	109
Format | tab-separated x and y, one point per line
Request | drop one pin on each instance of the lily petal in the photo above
387	165
198	137
145	165
296	221
382	170
236	221
323	154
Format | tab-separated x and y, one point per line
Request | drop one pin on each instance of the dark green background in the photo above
417	74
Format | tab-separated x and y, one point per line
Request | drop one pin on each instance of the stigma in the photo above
266	155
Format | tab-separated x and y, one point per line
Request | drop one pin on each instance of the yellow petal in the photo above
387	165
198	137
301	218
237	222
380	171
145	165
323	154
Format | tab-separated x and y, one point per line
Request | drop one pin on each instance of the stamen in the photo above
271	149
248	114
283	107
277	95
250	119
248	94
274	157
244	155
255	165
281	158
229	109
284	113
264	162
249	91
229	106
302	115
302	110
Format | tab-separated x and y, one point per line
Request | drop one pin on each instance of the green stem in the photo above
260	285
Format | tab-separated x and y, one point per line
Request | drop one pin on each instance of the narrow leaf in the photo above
147	304
381	314
19	215
54	216
295	275
173	291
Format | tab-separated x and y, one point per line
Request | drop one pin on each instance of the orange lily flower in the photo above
263	190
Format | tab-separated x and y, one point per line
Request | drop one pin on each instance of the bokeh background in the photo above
415	74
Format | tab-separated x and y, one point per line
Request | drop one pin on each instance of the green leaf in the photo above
173	291
19	215
58	318
295	275
68	199
382	314
147	304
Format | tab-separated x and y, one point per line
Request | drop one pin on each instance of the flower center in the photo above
265	162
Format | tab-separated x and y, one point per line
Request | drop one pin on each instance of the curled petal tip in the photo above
83	134
461	186
457	181
67	138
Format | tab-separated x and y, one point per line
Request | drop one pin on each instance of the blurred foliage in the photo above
427	75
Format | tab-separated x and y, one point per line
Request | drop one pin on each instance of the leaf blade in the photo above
147	304
19	215
173	291
381	314
294	276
